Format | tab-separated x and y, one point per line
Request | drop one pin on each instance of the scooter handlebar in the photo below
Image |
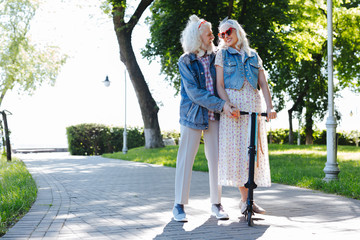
247	113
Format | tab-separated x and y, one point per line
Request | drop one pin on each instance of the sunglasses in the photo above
227	32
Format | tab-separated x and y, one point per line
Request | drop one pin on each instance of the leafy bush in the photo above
97	139
281	136
171	134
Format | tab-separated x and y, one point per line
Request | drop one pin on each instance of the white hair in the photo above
242	43
190	37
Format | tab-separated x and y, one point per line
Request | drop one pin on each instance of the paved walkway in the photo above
99	198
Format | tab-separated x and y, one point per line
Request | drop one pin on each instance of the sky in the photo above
87	36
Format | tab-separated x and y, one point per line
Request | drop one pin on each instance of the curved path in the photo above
99	198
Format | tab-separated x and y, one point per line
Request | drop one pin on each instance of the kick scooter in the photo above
251	185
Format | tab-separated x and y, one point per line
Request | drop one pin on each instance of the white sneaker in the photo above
217	210
243	207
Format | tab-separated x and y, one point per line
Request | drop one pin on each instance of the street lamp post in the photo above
331	169
125	149
107	84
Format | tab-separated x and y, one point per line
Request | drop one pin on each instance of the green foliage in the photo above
300	76
281	136
96	139
169	18
289	35
22	63
87	139
300	166
347	43
163	156
303	166
17	192
171	134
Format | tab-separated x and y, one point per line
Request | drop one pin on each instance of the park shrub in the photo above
97	139
281	136
171	134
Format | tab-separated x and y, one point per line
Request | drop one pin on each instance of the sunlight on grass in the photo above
17	192
303	166
344	152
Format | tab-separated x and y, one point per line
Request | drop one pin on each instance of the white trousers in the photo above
188	147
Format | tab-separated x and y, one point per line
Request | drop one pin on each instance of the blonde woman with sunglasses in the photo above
239	73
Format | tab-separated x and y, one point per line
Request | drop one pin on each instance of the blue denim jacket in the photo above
235	70
195	99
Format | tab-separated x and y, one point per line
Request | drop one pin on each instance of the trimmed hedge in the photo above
97	139
281	136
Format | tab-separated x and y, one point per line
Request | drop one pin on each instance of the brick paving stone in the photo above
98	198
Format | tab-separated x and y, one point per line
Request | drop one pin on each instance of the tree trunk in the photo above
231	7
243	12
7	138
291	135
298	105
309	140
148	106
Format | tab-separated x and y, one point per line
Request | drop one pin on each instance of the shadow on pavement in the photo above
214	229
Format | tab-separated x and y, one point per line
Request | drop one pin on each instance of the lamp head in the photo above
106	81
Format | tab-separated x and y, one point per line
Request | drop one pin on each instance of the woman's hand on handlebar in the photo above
230	110
271	114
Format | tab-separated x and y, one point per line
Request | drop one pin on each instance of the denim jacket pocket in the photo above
229	66
190	109
255	65
193	115
254	68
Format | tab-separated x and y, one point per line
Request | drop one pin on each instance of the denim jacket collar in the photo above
234	51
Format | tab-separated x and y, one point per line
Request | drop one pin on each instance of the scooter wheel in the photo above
249	219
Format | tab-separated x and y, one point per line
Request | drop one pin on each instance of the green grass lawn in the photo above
17	192
300	166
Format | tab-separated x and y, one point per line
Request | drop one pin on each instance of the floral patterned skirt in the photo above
234	141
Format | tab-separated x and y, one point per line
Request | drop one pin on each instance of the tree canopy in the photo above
22	63
303	78
289	35
169	18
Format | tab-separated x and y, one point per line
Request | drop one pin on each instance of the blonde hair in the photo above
190	36
242	43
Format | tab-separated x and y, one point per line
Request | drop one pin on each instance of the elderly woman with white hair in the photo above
199	114
239	73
